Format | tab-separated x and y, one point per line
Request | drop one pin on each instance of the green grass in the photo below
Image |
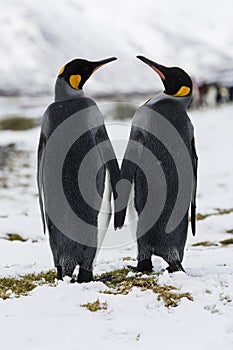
230	231
224	211
95	306
122	284
22	285
227	241
17	123
200	216
205	244
14	237
213	244
128	258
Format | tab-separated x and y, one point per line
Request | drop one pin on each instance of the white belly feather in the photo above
132	216
104	213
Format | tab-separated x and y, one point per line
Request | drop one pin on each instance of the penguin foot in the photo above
84	276
175	266
59	273
145	265
142	266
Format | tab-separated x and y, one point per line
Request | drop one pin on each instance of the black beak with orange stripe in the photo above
175	80
77	72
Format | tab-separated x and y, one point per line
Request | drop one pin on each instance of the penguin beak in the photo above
98	64
158	68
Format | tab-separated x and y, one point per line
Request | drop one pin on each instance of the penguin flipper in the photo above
130	163
194	192
40	161
109	159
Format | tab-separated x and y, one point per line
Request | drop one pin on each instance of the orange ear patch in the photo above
61	70
184	91
75	80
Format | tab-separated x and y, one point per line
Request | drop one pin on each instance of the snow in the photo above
52	318
37	38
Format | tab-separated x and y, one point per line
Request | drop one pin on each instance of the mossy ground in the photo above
219	211
213	244
227	241
200	216
128	258
230	231
95	306
121	283
224	211
22	285
17	123
205	244
15	237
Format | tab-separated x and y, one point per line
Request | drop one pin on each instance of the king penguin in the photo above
75	208
162	133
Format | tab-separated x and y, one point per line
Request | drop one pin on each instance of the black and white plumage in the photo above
72	126
162	127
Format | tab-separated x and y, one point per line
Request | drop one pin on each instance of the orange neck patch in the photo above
74	81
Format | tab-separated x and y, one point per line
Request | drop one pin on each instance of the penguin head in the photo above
76	72
175	80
